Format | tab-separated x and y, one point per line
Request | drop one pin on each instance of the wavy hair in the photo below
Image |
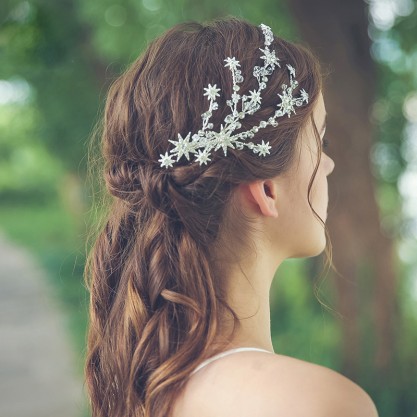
154	272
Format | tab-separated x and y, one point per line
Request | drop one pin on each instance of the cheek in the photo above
319	191
328	164
298	191
308	175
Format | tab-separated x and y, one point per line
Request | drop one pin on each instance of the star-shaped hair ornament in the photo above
206	140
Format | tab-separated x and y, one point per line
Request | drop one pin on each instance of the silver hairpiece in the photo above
208	139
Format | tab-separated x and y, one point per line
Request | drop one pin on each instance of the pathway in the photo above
37	375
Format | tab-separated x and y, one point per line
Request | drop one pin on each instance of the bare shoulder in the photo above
307	389
252	384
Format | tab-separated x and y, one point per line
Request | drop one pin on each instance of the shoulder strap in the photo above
225	353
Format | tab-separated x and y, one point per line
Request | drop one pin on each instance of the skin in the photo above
249	384
287	229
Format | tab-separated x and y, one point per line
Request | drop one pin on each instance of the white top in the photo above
225	353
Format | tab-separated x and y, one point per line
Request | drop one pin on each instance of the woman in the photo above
213	153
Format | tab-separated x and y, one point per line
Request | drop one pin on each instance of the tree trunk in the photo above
336	30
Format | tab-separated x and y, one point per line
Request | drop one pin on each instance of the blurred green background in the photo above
57	60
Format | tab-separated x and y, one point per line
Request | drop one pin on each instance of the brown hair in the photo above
155	282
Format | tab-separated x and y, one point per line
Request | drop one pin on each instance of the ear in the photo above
263	194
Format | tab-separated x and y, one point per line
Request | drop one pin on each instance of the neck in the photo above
248	294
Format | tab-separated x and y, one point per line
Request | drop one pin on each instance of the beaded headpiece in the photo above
206	139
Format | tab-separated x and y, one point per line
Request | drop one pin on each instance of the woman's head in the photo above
156	283
161	95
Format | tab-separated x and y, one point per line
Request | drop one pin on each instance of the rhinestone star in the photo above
212	92
166	160
270	57
255	96
287	103
203	157
182	146
224	141
304	95
232	63
263	148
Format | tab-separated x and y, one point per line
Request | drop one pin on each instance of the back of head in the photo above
155	286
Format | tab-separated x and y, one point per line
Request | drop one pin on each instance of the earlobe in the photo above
263	195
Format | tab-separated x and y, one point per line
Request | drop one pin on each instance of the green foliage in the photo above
28	171
43	43
300	324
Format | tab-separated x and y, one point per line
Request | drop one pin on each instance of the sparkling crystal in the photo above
239	145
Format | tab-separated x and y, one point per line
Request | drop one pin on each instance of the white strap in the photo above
225	353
